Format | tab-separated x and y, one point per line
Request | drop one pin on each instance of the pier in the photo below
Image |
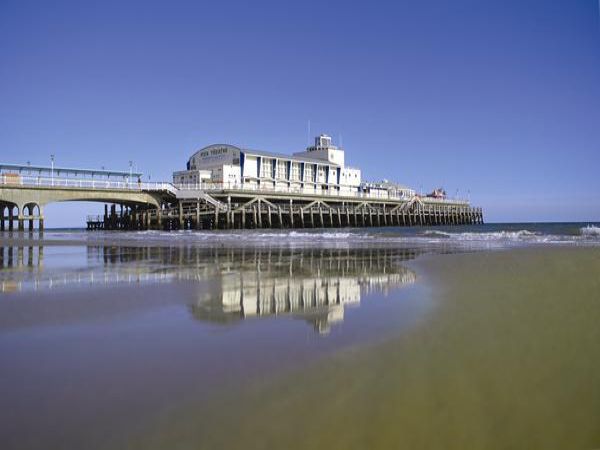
132	205
229	187
237	209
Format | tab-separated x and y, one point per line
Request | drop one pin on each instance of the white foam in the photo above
521	235
589	235
590	230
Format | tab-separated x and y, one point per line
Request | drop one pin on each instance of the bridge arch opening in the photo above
9	215
32	214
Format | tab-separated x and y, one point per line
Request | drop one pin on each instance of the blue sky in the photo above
501	98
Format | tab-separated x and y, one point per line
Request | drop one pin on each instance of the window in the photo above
266	168
282	170
321	174
295	175
308	172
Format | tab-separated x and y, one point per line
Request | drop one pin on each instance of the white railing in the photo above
179	189
384	195
84	183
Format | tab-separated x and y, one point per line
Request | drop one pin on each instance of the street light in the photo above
52	169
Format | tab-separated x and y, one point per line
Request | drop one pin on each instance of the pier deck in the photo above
246	209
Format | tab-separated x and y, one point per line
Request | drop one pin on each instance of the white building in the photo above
320	168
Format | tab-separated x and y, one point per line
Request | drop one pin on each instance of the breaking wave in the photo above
590	230
487	236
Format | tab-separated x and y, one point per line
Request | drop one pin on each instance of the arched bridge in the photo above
25	190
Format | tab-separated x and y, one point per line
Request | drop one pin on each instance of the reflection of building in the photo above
313	288
314	284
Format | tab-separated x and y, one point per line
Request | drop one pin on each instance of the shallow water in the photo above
350	339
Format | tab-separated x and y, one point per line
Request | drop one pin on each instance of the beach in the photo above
432	338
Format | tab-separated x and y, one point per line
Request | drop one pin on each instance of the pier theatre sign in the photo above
217	154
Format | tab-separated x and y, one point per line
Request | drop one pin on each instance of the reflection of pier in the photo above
314	284
317	295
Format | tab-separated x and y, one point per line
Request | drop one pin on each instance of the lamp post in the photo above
52	169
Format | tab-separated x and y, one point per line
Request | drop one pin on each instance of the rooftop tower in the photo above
325	150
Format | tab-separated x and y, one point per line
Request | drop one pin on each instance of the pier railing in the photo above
385	195
84	183
103	184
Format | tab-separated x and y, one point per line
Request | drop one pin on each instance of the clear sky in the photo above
501	98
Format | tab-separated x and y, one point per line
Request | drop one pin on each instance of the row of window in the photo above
282	171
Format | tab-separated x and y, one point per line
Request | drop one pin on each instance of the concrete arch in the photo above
9	213
41	196
30	215
26	198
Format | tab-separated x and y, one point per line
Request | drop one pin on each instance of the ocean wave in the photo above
494	236
488	236
437	233
253	235
590	230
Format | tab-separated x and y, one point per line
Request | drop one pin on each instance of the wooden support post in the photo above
216	222
135	218
198	226
259	214
255	216
181	225
291	214
339	217
243	213
229	218
280	217
270	219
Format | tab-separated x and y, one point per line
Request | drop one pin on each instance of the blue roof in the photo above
65	170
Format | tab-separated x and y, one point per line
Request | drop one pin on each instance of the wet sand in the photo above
508	359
